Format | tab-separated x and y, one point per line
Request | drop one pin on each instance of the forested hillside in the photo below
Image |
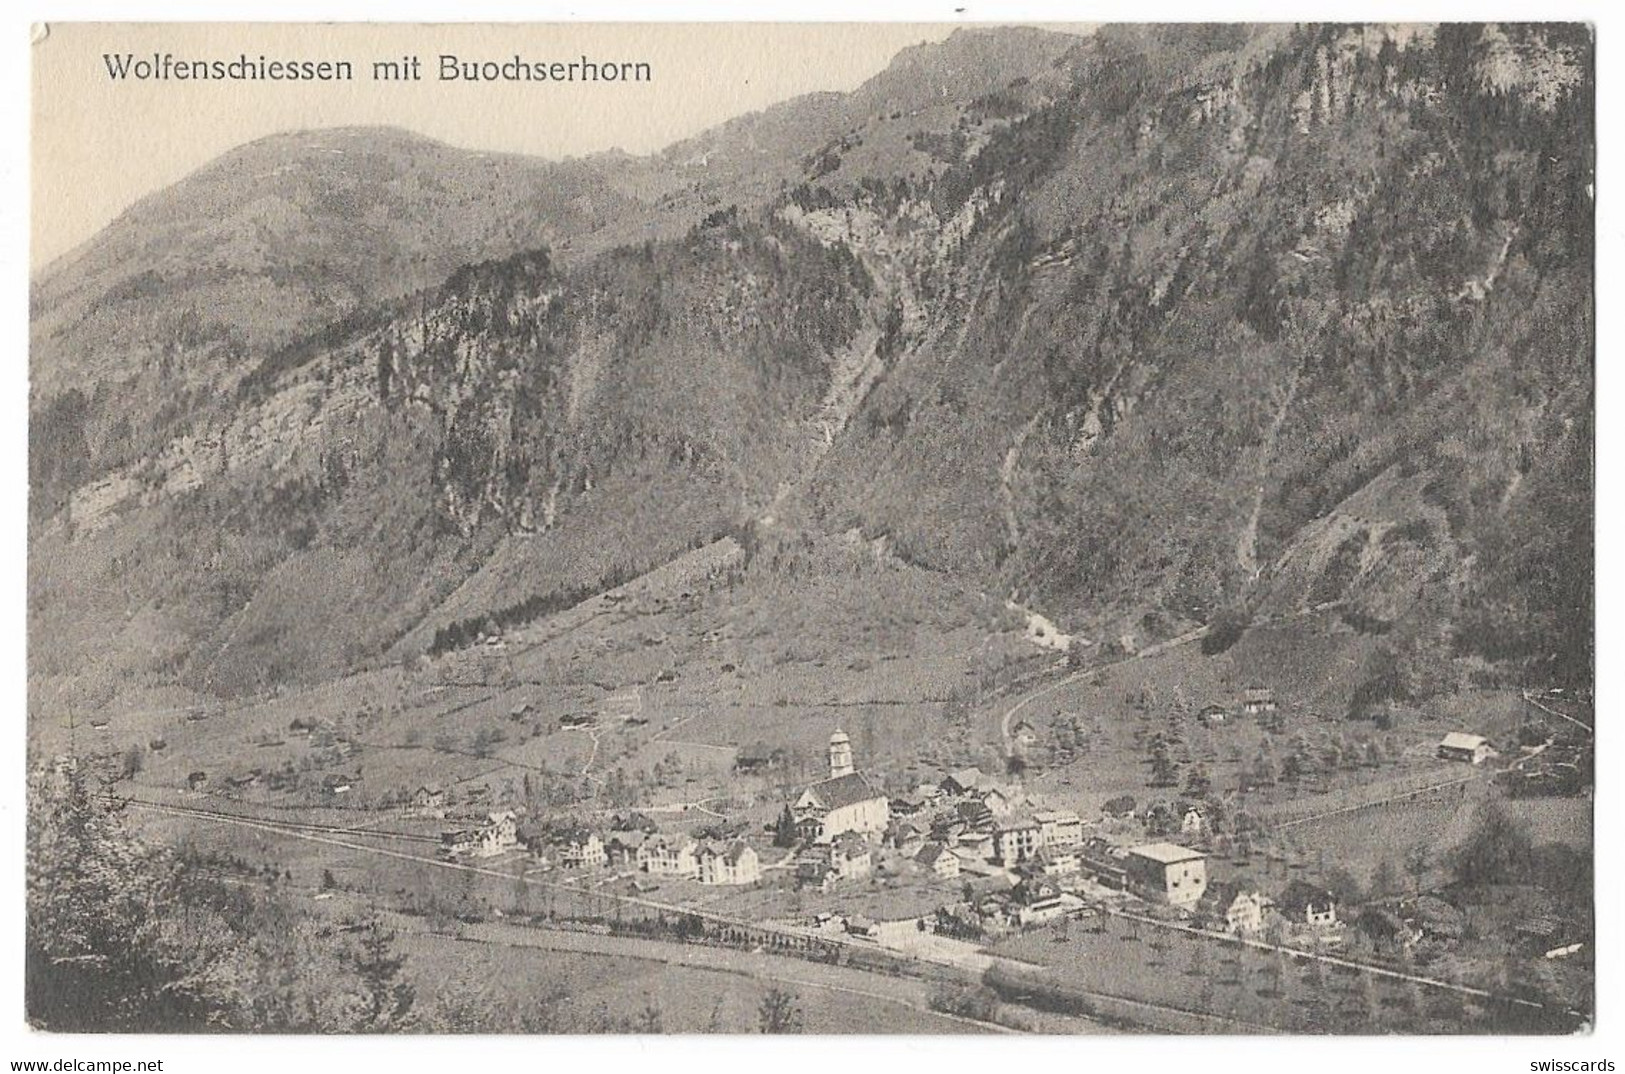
1157	327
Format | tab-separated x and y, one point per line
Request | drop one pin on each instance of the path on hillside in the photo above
1560	715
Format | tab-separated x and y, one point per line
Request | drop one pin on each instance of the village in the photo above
671	767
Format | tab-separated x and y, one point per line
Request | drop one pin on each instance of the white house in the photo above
669	855
1166	872
1018	840
734	864
1059	827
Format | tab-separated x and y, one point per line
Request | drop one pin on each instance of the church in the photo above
845	802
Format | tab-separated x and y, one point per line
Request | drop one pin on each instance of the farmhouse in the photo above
1460	746
197	781
429	800
1166	872
1258	699
1213	715
845	802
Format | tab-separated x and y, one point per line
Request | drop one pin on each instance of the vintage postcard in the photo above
821	528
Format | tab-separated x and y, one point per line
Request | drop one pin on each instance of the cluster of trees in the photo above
125	937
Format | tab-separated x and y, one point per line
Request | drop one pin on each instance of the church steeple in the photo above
840	755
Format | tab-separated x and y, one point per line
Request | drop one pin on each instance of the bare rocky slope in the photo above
1155	327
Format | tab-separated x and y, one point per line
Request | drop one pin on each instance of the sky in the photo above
99	144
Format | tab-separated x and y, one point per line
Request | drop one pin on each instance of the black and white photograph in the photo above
749	528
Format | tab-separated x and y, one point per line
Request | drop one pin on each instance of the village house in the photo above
1192	824
1054	861
997	802
429	800
1036	900
1059	828
1167	873
497	834
907	838
581	848
963	781
845	802
1460	746
1431	918
976	816
1241	911
1105	863
1257	700
939	860
197	781
669	855
850	856
1016	841
457	842
1302	903
974	844
1213	715
734	864
907	806
814	868
622	847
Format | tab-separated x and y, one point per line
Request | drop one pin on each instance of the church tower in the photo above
840	755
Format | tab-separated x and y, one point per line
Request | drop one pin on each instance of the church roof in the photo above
844	790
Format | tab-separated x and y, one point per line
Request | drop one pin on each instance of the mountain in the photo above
1155	328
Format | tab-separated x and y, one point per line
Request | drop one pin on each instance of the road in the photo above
1044	691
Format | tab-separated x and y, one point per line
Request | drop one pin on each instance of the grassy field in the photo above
1250	987
721	994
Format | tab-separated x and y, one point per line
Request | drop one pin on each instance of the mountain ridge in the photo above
1155	327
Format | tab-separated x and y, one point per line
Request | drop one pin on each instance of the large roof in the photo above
1461	740
1166	853
844	790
